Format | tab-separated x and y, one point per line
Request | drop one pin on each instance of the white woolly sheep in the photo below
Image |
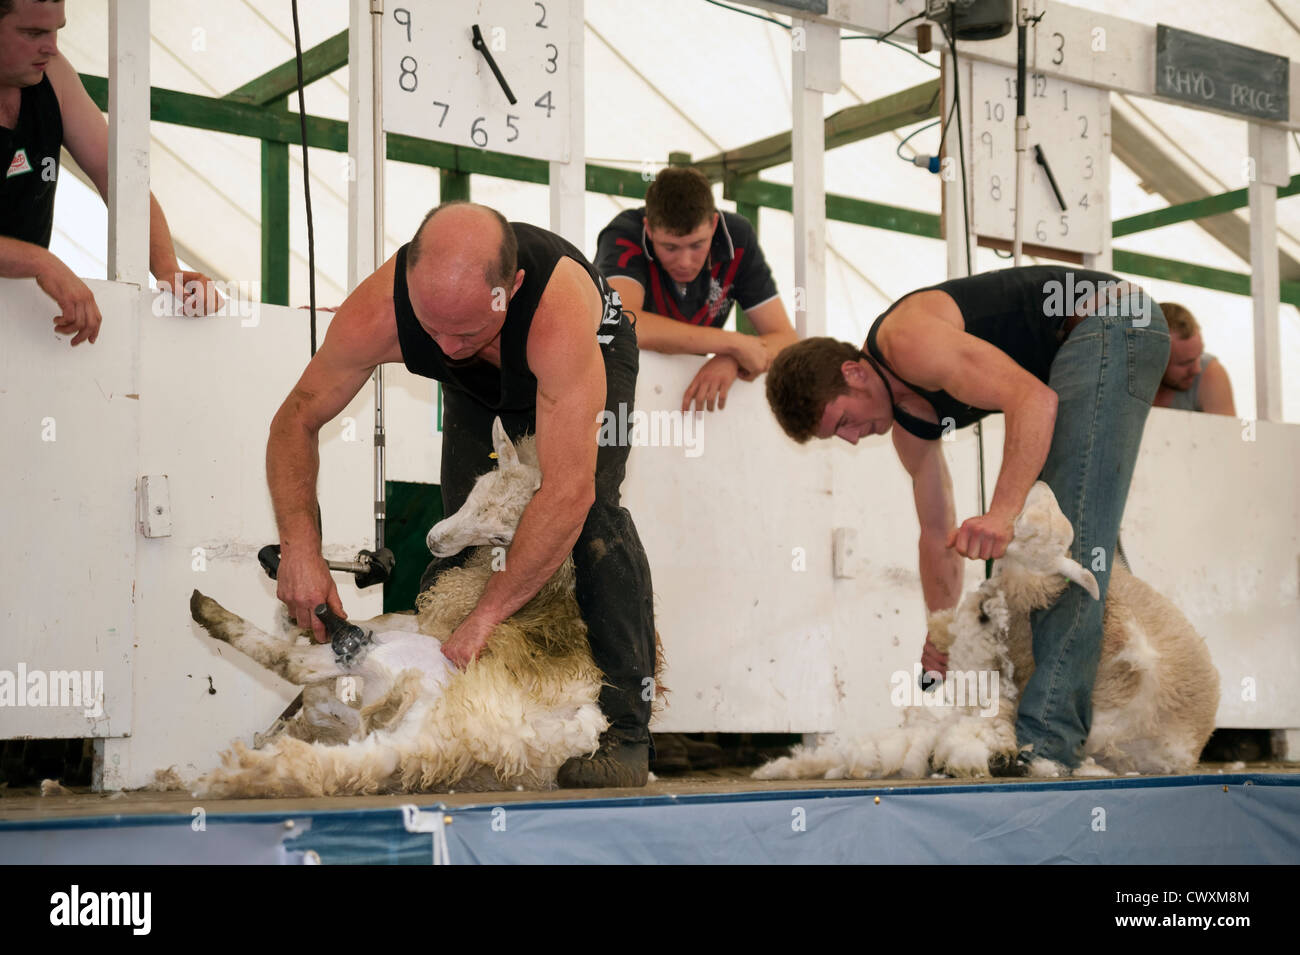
1153	703
511	719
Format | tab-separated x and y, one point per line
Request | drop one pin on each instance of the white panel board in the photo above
204	424
1213	521
880	614
70	419
746	632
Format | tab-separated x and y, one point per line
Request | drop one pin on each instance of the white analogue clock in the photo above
1069	126
451	70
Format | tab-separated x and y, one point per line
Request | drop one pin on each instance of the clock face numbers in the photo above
451	70
1067	122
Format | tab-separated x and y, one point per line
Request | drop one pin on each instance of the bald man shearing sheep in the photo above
514	322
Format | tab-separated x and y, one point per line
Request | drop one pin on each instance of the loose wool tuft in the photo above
1153	703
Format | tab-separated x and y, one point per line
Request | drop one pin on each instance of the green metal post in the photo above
275	218
452	185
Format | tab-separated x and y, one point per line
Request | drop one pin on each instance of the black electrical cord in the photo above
900	25
906	139
943	132
306	181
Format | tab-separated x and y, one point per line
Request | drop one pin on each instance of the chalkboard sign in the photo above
1211	73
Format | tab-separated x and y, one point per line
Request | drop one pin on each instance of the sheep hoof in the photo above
1007	766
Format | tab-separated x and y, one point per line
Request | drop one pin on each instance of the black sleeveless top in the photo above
1021	311
30	156
512	387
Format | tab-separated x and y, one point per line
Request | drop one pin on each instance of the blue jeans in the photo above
1105	377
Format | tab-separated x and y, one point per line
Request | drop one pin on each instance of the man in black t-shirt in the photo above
43	106
680	264
1072	358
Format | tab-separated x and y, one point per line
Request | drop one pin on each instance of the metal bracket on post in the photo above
436	823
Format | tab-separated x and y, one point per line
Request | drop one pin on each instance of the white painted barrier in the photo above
759	634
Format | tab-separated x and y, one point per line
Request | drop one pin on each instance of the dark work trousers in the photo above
612	573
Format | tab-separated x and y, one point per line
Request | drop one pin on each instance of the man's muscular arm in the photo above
362	334
565	357
934	355
932	490
85	133
655	332
940	566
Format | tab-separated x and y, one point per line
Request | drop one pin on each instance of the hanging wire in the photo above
306	180
920	129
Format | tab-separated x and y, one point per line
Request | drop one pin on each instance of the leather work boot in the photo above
702	754
615	764
670	754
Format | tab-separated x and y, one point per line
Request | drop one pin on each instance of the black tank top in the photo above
512	387
30	156
1020	311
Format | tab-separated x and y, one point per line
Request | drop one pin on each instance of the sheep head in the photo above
1041	546
497	501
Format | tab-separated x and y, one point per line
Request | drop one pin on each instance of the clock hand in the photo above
1042	161
496	71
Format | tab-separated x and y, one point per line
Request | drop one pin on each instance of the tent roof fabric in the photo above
676	75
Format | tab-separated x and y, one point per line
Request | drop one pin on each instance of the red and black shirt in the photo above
735	271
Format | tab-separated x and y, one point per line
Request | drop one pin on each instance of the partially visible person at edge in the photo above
43	107
1194	380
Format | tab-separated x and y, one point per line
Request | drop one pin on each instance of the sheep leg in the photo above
297	664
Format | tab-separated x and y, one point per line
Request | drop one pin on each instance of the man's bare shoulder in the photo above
918	326
570	301
921	315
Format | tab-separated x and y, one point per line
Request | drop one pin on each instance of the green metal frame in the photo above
275	218
259	109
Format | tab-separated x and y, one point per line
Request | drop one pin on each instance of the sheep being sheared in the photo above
511	719
1153	703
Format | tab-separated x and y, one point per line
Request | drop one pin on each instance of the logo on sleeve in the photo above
19	165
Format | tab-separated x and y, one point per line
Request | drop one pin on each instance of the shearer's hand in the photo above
196	293
303	582
932	658
711	384
467	642
79	314
983	537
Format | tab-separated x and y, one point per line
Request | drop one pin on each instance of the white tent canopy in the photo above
676	75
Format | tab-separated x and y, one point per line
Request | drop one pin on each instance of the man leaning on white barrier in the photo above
1073	359
43	107
680	265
